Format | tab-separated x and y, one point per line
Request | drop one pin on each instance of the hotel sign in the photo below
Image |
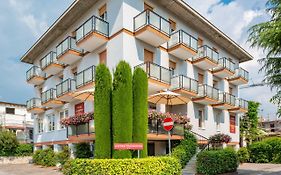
128	146
79	109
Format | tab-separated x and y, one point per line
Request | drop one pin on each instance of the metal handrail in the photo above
207	52
226	63
184	82
182	37
65	87
202	138
85	79
67	44
93	28
48	95
206	89
147	21
241	103
48	59
227	98
34	102
243	73
34	71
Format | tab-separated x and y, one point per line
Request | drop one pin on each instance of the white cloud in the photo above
22	8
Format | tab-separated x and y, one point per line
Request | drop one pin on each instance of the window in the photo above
102	57
51	119
201	119
173	25
103	12
10	110
218	122
200	41
63	114
40	125
232	124
147	7
231	90
200	78
148	56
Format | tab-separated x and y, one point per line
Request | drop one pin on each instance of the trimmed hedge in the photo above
243	155
217	161
143	166
122	108
45	157
140	109
186	149
102	106
83	150
24	150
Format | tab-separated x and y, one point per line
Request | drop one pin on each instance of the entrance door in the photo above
151	149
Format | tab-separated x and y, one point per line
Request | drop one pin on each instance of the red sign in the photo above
168	124
128	146
232	124
79	109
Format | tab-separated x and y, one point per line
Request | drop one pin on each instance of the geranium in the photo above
78	119
220	139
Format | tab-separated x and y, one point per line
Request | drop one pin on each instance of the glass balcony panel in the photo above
101	26
175	82
88	76
155	71
186	83
154	20
140	20
88	27
166	75
79	34
65	45
79	79
194	43
165	26
174	39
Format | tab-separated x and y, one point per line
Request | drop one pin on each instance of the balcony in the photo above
50	65
34	106
226	101
206	58
207	95
185	86
156	131
241	106
86	78
82	132
92	34
152	28
159	77
226	68
68	52
35	76
182	45
49	99
241	77
65	90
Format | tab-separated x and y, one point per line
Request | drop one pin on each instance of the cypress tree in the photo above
102	107
122	108
140	109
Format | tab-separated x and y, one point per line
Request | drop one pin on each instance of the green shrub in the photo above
24	150
243	155
260	152
143	166
102	103
217	161
122	108
275	143
140	109
45	157
63	156
8	143
186	149
83	150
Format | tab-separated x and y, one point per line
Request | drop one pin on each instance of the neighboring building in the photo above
177	47
14	117
272	127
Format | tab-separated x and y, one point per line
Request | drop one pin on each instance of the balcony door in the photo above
200	78
148	56
102	57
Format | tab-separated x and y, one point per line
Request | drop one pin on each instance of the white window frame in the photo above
40	125
51	122
65	113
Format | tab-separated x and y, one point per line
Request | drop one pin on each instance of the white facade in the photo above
124	43
14	117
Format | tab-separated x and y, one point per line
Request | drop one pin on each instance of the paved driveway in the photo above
27	169
259	169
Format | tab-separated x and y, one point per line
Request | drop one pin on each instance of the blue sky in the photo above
23	21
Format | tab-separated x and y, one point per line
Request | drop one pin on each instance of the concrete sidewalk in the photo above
27	169
259	169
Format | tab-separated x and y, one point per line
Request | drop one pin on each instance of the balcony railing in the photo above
48	59
226	63
208	91
68	44
156	127
94	24
184	82
86	76
207	52
240	72
33	103
65	87
33	72
152	19
181	37
227	98
157	72
87	128
48	95
241	103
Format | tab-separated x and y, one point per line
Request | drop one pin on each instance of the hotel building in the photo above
178	48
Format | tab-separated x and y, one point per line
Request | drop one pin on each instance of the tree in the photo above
102	106
267	35
122	108
140	109
249	123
